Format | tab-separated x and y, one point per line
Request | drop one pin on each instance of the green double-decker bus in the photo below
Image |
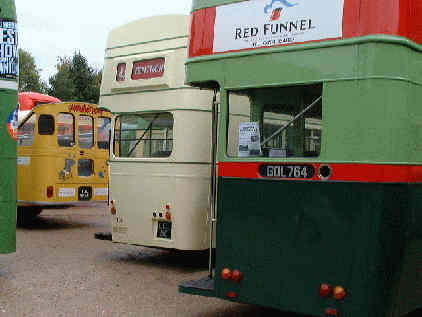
8	123
318	187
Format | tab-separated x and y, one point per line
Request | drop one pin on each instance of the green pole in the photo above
9	66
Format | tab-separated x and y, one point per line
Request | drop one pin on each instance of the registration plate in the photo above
84	193
164	230
286	171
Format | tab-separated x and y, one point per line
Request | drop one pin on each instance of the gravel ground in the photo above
59	269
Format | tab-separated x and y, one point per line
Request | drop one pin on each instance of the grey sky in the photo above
52	28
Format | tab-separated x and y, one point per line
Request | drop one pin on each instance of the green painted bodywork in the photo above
8	10
8	102
288	237
371	93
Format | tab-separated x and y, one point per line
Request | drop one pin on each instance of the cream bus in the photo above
160	154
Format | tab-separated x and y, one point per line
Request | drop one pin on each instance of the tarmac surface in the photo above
59	269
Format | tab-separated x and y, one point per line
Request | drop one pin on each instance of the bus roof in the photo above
144	67
268	23
151	29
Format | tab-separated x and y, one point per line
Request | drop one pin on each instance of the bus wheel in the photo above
27	213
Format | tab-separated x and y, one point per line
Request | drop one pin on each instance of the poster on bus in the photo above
249	139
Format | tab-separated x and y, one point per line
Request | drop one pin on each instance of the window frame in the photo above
73	127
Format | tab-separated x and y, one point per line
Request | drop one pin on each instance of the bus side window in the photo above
85	132
65	129
26	132
46	124
103	133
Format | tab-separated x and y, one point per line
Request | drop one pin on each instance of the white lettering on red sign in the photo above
147	69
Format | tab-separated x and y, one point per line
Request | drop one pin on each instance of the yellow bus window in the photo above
65	130
144	135
85	132
103	133
26	132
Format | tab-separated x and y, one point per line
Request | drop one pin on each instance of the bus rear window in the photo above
85	167
85	132
26	132
103	133
144	135
46	124
65	130
275	122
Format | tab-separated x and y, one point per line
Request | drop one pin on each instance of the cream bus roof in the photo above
149	29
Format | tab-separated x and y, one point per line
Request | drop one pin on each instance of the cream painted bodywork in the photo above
141	187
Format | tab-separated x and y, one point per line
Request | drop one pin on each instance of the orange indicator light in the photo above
231	294
226	274
112	208
168	215
324	290
339	293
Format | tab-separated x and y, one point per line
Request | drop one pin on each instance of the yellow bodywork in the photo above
62	155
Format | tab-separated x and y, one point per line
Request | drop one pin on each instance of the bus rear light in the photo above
226	274
230	294
168	215
113	209
237	276
324	290
339	293
50	191
331	312
167	206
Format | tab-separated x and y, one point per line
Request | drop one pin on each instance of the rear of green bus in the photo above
8	122
319	182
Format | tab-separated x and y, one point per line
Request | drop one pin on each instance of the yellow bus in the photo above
160	164
63	150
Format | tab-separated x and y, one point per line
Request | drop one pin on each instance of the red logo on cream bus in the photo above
147	69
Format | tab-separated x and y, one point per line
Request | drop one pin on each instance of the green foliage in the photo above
29	76
75	80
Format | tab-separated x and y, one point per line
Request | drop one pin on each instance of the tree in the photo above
75	80
29	75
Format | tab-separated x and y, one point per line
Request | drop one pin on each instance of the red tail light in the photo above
331	311
324	290
231	294
237	276
50	191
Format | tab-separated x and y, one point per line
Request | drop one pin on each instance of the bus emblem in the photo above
276	12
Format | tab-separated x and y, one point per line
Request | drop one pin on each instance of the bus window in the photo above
276	115
103	133
65	130
46	124
85	167
85	132
144	135
26	132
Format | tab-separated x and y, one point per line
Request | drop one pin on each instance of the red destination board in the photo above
147	69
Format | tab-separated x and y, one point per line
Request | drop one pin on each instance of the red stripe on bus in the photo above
360	18
201	41
373	173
